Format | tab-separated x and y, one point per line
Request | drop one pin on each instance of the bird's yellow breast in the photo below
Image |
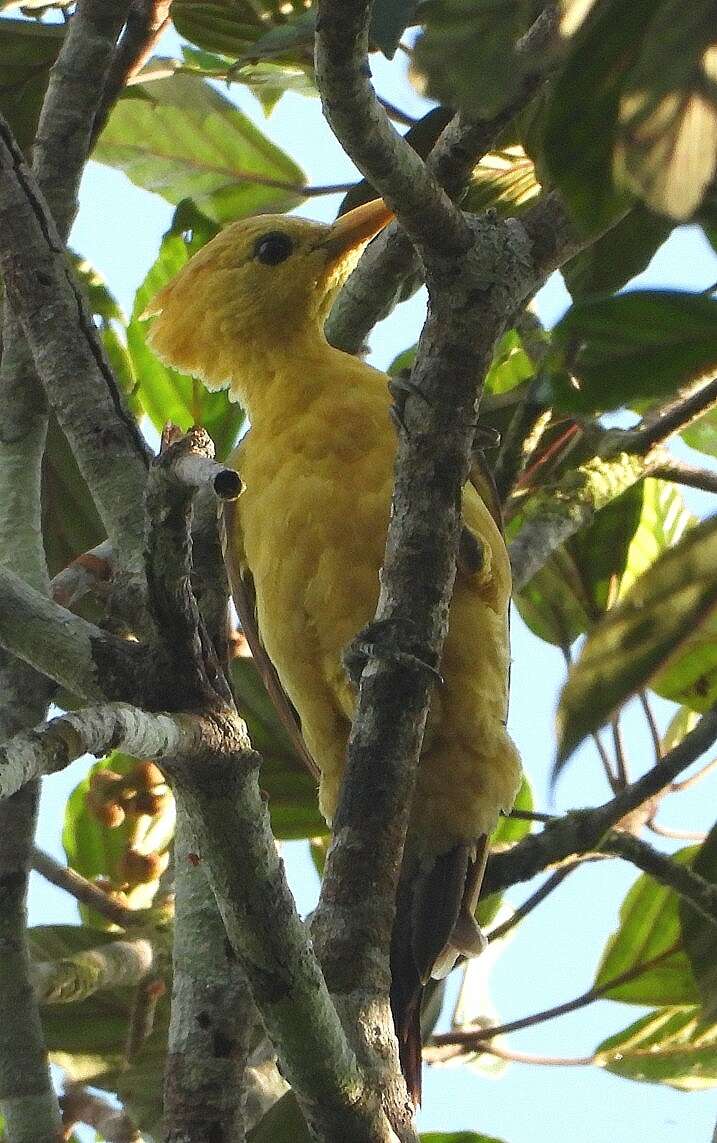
312	530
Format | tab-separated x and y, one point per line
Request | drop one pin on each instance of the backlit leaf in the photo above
699	936
667	143
649	927
666	1047
186	140
634	640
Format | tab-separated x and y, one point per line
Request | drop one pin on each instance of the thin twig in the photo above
688	474
86	892
661	424
651	722
146	22
700	893
471	1038
675	834
549	885
686	783
583	830
620	756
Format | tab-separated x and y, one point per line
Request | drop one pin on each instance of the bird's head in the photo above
261	284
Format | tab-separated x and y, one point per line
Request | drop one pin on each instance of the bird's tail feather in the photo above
433	903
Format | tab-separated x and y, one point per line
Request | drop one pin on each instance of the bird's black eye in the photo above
271	249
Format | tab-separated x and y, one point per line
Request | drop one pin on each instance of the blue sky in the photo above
554	954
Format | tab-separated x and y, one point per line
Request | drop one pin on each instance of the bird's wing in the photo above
244	596
481	477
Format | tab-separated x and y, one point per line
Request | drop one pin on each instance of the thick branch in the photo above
68	354
374	289
115	965
62	143
231	838
98	730
78	655
214	1019
583	831
364	130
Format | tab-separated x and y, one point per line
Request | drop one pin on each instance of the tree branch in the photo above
227	827
374	288
472	1038
69	356
117	964
86	892
583	831
697	891
214	1019
82	1106
146	22
692	476
98	730
78	655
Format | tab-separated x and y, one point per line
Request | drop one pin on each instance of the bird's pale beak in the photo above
353	230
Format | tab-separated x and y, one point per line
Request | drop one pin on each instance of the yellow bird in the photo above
306	541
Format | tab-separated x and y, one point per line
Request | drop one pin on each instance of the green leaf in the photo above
507	833
664	1047
389	20
27	52
667	144
690	675
165	394
649	926
702	434
268	79
456	1137
633	641
229	28
699	936
553	603
615	258
631	110
601	562
581	119
511	364
293	799
644	344
185	140
504	179
465	56
70	522
292	40
283	1123
678	727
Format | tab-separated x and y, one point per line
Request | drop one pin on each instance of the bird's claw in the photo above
401	387
379	641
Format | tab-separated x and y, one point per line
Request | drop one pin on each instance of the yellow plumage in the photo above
311	526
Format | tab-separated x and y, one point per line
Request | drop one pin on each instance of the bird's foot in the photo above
471	552
401	387
387	641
